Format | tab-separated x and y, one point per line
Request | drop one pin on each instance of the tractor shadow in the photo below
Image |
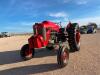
44	52
10	57
33	69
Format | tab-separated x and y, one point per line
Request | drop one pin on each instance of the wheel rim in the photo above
28	53
65	56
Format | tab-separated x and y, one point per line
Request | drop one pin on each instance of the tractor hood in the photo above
36	41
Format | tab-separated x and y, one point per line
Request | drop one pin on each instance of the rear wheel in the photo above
77	40
74	39
73	36
62	56
25	53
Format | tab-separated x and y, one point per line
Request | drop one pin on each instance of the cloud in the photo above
84	21
58	15
81	21
66	1
12	2
98	7
78	2
82	2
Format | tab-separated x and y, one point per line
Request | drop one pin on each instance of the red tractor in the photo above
52	36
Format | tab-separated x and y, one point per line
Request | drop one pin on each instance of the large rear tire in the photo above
62	56
74	42
73	37
25	53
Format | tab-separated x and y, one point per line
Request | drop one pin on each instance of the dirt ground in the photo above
84	62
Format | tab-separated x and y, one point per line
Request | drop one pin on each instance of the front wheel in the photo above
26	53
62	56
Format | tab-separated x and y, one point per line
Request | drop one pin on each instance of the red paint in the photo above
37	41
78	36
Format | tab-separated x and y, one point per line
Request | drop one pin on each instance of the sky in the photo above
20	15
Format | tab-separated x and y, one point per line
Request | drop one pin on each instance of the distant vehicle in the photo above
91	29
83	29
4	34
87	29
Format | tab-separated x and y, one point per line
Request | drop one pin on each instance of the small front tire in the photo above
25	53
62	56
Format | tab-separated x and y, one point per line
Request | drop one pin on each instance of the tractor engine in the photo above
62	35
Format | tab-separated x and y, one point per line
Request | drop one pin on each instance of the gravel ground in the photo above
84	62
